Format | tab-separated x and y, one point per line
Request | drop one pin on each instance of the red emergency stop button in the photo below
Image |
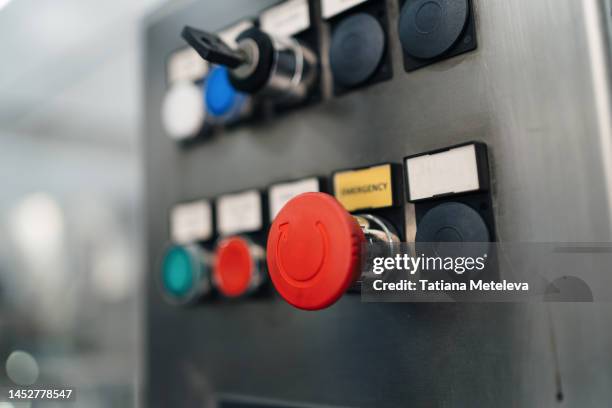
236	271
314	249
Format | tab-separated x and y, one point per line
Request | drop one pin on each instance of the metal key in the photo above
212	48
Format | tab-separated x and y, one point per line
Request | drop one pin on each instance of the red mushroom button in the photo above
314	251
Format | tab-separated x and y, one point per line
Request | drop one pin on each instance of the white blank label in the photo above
280	193
191	222
186	65
451	171
286	19
332	7
237	213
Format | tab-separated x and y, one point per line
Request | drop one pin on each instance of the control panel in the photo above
259	67
287	141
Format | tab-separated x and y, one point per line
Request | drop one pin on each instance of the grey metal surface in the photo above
536	91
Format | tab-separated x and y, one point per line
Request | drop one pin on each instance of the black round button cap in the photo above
357	47
429	28
568	289
445	227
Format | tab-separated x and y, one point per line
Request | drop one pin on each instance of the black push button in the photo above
428	28
431	30
357	48
455	223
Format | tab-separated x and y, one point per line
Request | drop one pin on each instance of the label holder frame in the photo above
324	187
482	167
310	37
213	222
395	213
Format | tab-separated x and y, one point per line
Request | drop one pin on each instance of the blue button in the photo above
220	96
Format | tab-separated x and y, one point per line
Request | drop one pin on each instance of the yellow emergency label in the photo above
364	188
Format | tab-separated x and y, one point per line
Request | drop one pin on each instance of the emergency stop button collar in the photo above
313	252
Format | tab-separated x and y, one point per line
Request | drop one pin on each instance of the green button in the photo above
178	274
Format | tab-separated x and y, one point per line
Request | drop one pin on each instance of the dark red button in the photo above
234	267
314	249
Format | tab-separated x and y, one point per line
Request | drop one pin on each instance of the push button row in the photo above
315	244
275	59
237	261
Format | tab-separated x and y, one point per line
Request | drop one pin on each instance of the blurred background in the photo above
70	203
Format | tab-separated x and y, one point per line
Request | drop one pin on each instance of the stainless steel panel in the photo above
537	91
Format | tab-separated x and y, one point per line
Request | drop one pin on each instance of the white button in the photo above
183	111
